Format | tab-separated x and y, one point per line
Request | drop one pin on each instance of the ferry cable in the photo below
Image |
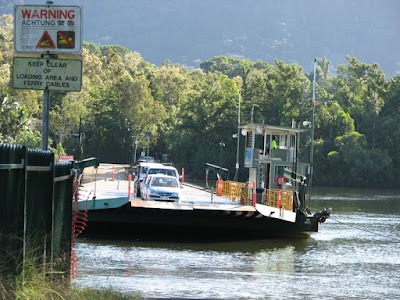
362	229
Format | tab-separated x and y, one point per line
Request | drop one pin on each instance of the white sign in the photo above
47	74
48	29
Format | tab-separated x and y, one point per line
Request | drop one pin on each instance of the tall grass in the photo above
37	281
39	286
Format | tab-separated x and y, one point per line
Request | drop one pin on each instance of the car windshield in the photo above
167	182
163	171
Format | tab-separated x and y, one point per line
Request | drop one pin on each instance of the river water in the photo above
355	255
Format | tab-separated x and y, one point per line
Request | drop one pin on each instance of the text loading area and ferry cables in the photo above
394	238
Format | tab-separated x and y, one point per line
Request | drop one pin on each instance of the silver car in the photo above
162	188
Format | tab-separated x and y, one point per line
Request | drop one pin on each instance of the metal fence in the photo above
241	192
35	210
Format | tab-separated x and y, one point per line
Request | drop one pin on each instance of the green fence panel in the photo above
38	204
12	194
62	218
36	197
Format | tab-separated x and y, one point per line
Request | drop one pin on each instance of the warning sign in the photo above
47	74
65	39
45	42
55	29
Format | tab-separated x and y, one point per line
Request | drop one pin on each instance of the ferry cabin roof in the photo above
271	129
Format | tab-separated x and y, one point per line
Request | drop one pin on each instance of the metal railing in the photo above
242	192
271	198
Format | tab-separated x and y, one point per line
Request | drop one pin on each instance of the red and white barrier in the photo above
254	193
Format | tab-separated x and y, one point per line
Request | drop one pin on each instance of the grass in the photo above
39	282
41	288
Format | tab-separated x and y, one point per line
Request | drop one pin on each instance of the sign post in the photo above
47	30
45	120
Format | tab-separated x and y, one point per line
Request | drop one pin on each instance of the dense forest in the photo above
192	114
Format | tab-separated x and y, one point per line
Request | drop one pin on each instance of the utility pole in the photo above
136	143
312	132
237	146
80	140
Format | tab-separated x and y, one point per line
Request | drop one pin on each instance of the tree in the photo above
209	119
13	118
366	167
279	94
332	121
192	114
388	129
365	86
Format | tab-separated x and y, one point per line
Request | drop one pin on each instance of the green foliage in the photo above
365	86
228	66
353	164
192	114
332	121
92	48
13	118
209	120
32	139
119	50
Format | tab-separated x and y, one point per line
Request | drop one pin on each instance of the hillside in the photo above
189	32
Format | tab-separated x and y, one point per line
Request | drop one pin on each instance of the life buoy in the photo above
279	181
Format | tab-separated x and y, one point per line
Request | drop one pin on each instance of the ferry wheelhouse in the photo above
272	158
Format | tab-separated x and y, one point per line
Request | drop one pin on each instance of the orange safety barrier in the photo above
219	187
254	193
129	186
79	223
242	193
280	199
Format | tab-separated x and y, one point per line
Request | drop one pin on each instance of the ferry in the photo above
273	202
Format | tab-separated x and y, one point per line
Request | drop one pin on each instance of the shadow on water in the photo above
218	245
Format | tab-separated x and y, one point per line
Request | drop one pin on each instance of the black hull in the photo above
145	223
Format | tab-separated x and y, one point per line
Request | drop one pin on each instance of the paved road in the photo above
104	171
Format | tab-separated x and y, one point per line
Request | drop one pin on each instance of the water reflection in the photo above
350	200
157	266
242	246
